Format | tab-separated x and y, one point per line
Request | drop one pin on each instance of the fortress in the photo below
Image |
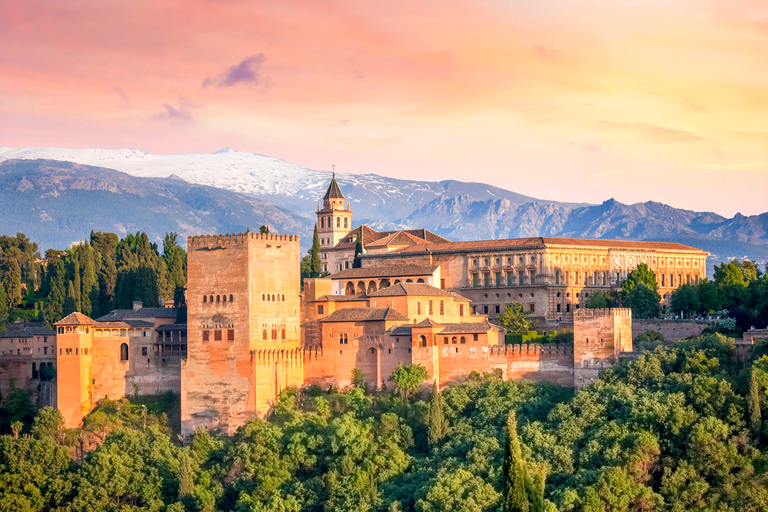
416	298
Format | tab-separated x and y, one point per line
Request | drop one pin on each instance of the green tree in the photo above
48	424
314	253
408	379
3	302
13	284
186	476
727	274
58	295
515	319
685	300
642	274
107	282
89	295
753	406
709	302
358	378
643	301
749	270
516	483
76	286
438	424
70	304
358	262
597	300
180	303
264	229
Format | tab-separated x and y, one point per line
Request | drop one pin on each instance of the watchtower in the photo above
74	363
599	336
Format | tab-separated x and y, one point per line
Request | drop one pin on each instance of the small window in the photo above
264	335
283	298
282	334
463	340
418	308
461	309
230	297
223	298
320	309
210	298
143	351
206	335
262	297
498	309
430	307
475	337
218	298
230	335
124	352
442	307
485	310
217	335
445	340
454	340
205	299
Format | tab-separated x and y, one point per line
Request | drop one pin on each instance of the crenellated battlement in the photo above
235	239
602	313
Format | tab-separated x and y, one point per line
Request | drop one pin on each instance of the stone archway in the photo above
350	289
371	287
384	284
361	288
422	341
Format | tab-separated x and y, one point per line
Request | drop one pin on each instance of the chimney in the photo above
137	304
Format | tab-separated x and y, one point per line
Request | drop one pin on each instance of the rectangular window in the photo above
567	308
475	337
485	310
45	350
343	338
442	307
461	309
230	335
558	308
663	280
679	279
430	307
486	279
532	308
282	334
498	309
418	308
533	277
567	278
34	371
217	335
521	278
672	280
557	277
320	310
77	351
510	278
143	351
498	279
605	279
475	280
442	283
586	279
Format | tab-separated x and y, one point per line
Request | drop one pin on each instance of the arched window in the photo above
445	340
211	298
262	296
350	289
338	222
264	335
218	298
420	280
345	222
422	341
463	340
223	298
205	299
283	299
230	297
453	340
273	297
124	352
269	297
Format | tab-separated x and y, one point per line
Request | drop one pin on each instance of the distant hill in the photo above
454	209
57	203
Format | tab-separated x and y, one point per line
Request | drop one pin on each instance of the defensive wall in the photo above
672	330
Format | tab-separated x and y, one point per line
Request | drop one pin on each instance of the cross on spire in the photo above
333	166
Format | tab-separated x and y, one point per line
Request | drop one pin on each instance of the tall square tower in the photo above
243	339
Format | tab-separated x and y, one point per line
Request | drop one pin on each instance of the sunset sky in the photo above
559	99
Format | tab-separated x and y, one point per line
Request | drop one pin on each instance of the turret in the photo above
74	389
334	219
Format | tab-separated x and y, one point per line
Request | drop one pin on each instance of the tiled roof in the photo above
75	319
365	315
371	236
119	315
400	330
386	271
427	322
517	243
420	289
171	328
111	325
467	328
398	238
333	192
139	323
28	332
341	298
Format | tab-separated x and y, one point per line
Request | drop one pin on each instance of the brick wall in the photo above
672	330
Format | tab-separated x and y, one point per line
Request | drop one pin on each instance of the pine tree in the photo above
438	425
70	304
516	485
317	268
13	284
358	263
753	405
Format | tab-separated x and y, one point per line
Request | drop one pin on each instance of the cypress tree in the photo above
753	405
144	252
357	263
264	229
107	279
58	295
516	484
317	268
76	280
438	425
180	303
186	477
70	304
90	287
13	284
176	269
3	301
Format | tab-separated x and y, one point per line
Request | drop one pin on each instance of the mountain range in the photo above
275	190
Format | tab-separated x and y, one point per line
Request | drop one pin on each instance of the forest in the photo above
680	428
93	277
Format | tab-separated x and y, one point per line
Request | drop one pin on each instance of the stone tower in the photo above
334	219
74	360
599	337
243	340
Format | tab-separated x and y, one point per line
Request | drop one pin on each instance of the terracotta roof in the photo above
400	330
371	236
365	315
416	289
467	328
334	192
341	298
75	319
171	328
427	322
386	271
398	238
516	243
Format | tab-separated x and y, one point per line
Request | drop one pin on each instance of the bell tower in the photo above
334	219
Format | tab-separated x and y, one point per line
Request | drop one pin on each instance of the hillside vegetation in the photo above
677	429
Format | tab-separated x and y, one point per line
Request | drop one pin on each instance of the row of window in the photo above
328	222
273	332
497	279
484	309
77	351
486	262
219	298
273	297
79	329
217	335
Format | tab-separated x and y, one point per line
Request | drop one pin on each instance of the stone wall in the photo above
599	336
672	330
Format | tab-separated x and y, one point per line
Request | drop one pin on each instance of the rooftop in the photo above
334	191
365	315
75	319
386	271
118	315
419	289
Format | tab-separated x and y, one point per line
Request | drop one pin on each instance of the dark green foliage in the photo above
685	300
58	295
3	301
136	284
13	284
358	262
314	252
753	406
642	274
515	319
438	425
643	301
264	230
180	303
70	303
